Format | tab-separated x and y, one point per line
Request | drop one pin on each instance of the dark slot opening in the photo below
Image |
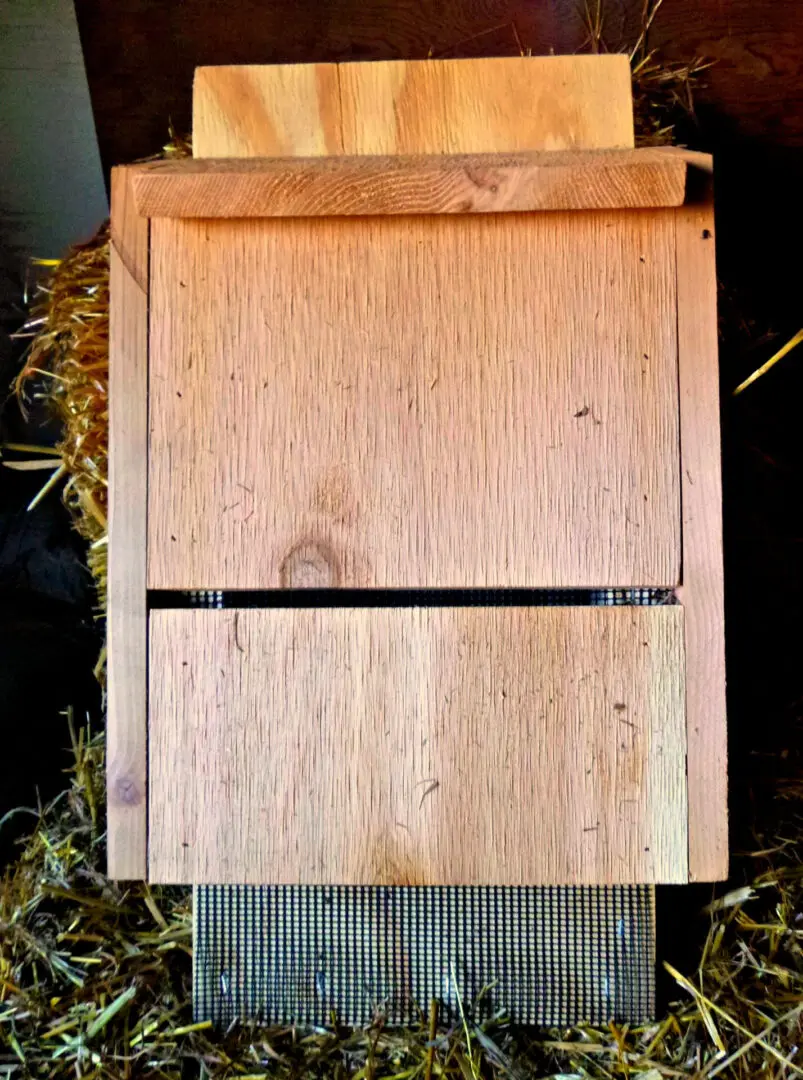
396	598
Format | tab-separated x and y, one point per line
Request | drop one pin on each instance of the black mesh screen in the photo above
544	956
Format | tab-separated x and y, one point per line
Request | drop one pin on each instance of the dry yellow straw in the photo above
773	360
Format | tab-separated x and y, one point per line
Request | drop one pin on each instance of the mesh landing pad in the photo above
547	956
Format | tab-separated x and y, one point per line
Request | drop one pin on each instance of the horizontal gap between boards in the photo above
403	598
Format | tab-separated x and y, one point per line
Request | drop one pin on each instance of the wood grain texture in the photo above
126	738
499	103
280	110
413	107
702	589
418	746
447	184
489	401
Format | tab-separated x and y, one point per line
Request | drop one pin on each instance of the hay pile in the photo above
95	978
95	981
68	364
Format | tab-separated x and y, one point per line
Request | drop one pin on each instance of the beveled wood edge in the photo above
434	184
126	714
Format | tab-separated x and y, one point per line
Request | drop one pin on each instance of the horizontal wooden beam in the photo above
437	184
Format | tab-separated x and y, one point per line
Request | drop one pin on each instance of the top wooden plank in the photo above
435	184
413	107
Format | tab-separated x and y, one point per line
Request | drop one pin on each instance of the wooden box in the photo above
387	379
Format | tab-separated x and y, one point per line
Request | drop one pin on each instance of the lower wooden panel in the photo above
418	746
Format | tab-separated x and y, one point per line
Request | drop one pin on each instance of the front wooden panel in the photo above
418	746
471	401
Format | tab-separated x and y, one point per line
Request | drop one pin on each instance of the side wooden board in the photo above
127	734
414	184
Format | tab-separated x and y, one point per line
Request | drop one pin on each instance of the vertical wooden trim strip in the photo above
126	748
702	575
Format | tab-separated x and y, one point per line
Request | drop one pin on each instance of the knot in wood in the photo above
309	564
